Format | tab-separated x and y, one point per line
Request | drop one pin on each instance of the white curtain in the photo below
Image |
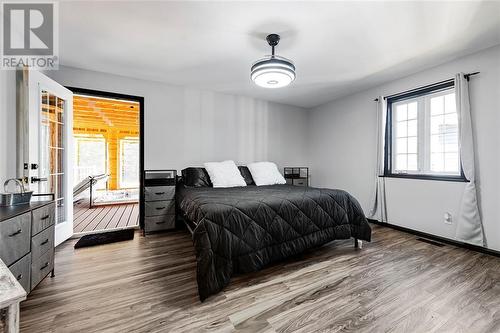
378	209
469	226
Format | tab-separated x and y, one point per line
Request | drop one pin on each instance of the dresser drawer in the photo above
300	182
157	193
15	239
43	218
21	270
158	223
41	267
155	208
42	243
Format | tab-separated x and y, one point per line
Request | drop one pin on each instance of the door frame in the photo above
29	85
140	99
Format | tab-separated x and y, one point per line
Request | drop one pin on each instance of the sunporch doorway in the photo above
107	161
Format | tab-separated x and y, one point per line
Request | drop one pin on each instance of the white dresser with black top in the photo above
158	200
27	241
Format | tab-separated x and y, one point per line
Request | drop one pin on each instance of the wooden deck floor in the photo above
104	217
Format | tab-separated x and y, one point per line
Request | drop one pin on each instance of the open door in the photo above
44	143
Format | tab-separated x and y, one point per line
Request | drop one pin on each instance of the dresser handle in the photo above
19	277
159	193
45	217
161	222
44	266
44	242
159	208
16	233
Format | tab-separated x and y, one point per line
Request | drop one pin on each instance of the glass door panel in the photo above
45	111
52	152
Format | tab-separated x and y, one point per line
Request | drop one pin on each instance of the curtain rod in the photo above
467	76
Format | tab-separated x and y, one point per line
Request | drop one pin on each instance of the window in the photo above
90	158
129	163
422	134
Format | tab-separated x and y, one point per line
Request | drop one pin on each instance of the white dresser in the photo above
11	294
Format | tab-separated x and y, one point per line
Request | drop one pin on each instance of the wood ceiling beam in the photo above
108	115
79	129
104	108
101	115
111	128
103	99
80	101
102	124
93	116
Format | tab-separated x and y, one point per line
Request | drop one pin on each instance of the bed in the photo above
243	229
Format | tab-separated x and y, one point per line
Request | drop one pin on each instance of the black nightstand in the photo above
158	200
298	176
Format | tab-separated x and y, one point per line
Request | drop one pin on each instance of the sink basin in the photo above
12	199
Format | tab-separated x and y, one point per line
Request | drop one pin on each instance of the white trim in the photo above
39	82
63	231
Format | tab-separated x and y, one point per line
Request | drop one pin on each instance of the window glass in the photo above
444	134
129	163
424	131
90	158
406	130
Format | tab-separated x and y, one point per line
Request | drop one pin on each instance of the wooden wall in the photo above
111	119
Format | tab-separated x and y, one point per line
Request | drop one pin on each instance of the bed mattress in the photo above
243	229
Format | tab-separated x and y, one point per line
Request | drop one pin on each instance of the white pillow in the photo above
265	173
224	174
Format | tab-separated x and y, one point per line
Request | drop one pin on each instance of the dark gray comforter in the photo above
243	229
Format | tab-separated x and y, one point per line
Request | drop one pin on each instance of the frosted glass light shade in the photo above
273	72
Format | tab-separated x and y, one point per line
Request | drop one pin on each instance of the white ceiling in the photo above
338	47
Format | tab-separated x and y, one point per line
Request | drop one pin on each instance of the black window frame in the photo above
388	134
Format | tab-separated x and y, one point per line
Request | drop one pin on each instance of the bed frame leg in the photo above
357	243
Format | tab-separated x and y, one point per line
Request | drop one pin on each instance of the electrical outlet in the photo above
448	218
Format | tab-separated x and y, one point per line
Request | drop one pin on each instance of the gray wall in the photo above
7	125
342	150
183	126
188	127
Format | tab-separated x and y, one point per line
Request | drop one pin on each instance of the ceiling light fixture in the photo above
273	71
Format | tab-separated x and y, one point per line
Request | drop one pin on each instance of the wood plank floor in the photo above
104	217
394	284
